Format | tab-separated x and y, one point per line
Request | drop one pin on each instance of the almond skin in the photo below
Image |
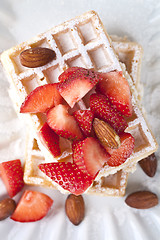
142	200
106	134
149	165
7	207
75	208
36	57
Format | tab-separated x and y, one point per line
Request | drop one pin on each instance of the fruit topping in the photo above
41	99
120	155
106	134
50	139
116	88
7	207
75	83
84	119
64	124
11	173
75	208
36	57
89	156
68	176
32	206
104	110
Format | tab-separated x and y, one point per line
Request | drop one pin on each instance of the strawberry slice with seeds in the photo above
75	83
89	156
105	111
11	173
84	119
41	99
116	88
63	124
32	207
50	139
68	176
120	155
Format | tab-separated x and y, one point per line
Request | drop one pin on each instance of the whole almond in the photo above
149	165
106	134
7	207
75	209
36	57
142	200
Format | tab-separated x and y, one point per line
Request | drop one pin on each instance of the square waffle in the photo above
112	185
83	42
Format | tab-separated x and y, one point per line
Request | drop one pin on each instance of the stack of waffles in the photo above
81	42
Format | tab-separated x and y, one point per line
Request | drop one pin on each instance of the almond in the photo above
7	207
36	57
149	165
75	208
142	200
106	134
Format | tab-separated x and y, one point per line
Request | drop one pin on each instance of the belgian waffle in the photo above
83	42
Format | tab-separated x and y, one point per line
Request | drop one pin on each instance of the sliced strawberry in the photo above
32	207
63	124
50	139
11	173
68	176
41	99
89	156
84	119
120	155
116	88
104	110
75	83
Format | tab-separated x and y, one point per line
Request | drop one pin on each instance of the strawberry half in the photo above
11	173
63	124
75	83
84	119
41	99
32	207
116	88
50	139
89	156
105	111
68	176
120	155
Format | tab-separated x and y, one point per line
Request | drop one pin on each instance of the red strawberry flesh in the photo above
84	119
120	155
32	207
75	83
41	99
116	88
89	156
63	124
11	173
104	110
68	176
50	139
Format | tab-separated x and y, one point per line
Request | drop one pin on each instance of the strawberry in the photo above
32	207
68	176
50	139
84	119
116	88
63	124
41	99
75	83
120	155
104	110
11	173
89	156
